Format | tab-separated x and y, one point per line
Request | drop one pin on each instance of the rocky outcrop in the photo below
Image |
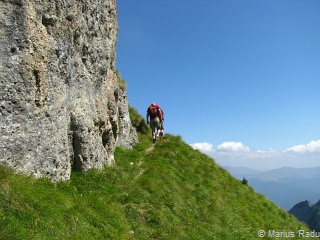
127	133
58	88
302	210
307	213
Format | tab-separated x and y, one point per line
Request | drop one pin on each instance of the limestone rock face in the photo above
58	88
127	133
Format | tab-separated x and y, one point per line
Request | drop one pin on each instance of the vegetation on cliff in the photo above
165	191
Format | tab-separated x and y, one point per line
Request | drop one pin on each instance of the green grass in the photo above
171	192
121	82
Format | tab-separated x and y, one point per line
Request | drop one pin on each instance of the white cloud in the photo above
236	154
233	147
205	147
269	151
313	146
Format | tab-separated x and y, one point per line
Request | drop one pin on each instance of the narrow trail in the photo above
150	148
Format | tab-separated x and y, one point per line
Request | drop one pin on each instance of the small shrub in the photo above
121	82
244	181
138	121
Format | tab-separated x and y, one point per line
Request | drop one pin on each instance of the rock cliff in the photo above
307	213
59	94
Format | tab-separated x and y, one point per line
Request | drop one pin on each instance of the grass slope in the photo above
169	192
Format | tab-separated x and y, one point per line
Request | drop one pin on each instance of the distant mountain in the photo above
241	172
284	186
286	174
307	213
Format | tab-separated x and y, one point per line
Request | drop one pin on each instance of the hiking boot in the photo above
154	140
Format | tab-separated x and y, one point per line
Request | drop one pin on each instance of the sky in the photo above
237	79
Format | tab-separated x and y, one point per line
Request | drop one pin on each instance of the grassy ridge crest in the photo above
162	191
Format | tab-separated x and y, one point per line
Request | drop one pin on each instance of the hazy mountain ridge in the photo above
285	186
282	174
240	172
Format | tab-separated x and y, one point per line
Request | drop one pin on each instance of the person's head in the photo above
153	104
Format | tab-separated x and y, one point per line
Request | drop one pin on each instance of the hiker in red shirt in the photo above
154	112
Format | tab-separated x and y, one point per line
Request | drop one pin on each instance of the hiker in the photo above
162	123
154	112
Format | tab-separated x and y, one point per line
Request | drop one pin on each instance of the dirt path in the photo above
150	148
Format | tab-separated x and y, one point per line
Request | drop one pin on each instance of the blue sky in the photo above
237	79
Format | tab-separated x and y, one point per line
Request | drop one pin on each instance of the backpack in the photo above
153	111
